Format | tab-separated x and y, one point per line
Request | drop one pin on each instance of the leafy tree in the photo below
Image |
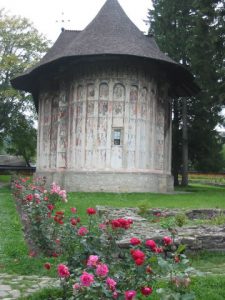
192	32
22	139
20	47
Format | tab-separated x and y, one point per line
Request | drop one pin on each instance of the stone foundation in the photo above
117	182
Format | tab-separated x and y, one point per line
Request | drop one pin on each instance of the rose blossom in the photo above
130	295
149	269
135	241
47	266
138	257
50	207
73	221
62	193
146	291
86	279
91	211
167	240
111	283
102	226
29	197
102	270
92	260
63	271
73	210
76	286
151	244
115	295
82	231
36	196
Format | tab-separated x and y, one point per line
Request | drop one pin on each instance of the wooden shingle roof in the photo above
110	33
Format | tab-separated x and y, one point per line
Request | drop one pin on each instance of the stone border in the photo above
196	238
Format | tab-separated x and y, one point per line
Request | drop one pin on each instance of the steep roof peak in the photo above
113	13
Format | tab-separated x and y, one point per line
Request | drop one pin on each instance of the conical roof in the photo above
110	33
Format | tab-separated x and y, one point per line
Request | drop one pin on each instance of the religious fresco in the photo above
97	109
118	92
159	142
80	92
90	91
103	108
103	91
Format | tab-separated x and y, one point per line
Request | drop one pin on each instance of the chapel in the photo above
103	97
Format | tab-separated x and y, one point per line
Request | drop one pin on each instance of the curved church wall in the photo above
105	119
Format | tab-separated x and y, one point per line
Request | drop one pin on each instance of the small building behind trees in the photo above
103	99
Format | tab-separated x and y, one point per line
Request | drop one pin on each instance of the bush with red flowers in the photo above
94	265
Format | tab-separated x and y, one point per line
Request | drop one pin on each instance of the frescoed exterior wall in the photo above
106	121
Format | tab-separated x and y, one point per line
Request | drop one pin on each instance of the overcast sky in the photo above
47	14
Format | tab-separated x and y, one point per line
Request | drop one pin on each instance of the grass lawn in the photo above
14	257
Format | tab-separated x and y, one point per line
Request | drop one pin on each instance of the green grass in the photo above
205	288
5	178
196	196
14	258
209	262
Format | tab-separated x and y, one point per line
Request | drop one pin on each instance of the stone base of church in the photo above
116	182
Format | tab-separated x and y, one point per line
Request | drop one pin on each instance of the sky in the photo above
47	15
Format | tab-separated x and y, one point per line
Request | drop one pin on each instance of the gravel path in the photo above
15	286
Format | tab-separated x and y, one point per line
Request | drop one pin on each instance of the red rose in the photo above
91	211
146	291
135	241
29	197
50	207
73	222
149	270
158	250
151	244
167	240
47	266
139	261
138	257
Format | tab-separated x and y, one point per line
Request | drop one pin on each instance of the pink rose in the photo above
63	271
86	279
73	210
130	295
76	286
102	270
111	283
92	260
102	226
82	231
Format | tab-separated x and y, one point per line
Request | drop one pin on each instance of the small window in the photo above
117	136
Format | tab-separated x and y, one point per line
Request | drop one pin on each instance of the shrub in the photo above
95	267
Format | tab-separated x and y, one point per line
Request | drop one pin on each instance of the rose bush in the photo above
94	266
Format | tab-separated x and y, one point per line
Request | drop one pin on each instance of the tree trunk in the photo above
184	181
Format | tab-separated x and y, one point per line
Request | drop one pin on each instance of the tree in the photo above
22	139
20	47
193	33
